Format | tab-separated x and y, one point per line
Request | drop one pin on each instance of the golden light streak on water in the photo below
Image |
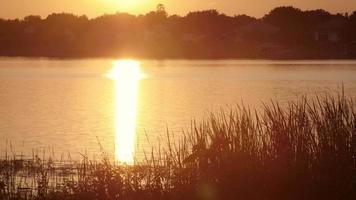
127	75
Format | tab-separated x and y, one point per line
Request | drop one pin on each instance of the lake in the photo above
57	107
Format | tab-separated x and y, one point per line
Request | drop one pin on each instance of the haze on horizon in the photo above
11	9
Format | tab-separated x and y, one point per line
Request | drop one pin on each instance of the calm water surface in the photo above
72	105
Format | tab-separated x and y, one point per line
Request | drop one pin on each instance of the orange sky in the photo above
93	8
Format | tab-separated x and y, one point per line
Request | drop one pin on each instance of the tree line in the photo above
285	32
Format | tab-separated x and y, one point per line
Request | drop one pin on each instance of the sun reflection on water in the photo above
126	74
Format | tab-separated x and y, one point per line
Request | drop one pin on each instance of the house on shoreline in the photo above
330	31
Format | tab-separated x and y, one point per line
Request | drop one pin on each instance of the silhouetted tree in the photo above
242	20
286	18
161	10
33	19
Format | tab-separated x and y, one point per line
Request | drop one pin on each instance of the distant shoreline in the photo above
174	58
285	33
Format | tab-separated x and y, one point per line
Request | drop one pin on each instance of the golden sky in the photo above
93	8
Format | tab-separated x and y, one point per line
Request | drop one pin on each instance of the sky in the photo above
10	9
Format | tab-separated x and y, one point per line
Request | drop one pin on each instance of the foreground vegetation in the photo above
306	150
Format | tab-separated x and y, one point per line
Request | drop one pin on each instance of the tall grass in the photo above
306	150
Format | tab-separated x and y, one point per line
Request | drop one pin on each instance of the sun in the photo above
132	6
127	3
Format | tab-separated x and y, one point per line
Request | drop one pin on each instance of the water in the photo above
61	106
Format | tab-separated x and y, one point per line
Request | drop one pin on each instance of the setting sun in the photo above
132	6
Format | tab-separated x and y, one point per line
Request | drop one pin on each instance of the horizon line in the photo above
173	14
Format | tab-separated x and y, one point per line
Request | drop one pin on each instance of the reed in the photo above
305	150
